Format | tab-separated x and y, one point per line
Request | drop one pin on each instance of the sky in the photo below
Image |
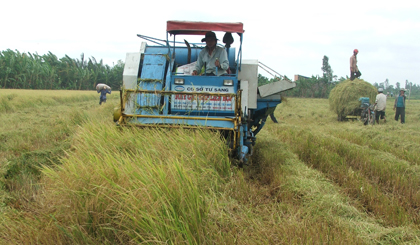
291	37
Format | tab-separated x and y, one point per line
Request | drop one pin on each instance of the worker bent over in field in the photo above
102	98
212	57
380	104
354	70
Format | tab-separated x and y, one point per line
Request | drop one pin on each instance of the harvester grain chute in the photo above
159	91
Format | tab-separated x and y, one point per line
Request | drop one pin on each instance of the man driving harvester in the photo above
212	57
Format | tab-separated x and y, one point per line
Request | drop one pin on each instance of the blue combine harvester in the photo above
159	91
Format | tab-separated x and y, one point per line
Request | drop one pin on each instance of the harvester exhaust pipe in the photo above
189	51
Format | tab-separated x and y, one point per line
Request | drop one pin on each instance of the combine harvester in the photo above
159	91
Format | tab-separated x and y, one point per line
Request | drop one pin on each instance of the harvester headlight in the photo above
179	81
228	82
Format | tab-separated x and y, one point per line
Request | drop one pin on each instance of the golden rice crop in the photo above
311	180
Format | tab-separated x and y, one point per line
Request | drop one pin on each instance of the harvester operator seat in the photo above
228	40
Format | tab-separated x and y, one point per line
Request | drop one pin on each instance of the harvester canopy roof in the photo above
200	28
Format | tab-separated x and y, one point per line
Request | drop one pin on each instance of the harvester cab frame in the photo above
159	91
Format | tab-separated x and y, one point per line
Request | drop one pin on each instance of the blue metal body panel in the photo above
152	79
267	103
210	105
264	108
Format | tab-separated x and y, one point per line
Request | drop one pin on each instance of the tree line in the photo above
309	87
321	86
412	90
34	71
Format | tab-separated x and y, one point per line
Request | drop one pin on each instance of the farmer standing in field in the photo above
354	70
380	104
399	106
103	92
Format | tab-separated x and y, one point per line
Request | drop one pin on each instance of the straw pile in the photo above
344	98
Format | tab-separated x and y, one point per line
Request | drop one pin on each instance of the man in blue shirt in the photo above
399	106
103	92
212	56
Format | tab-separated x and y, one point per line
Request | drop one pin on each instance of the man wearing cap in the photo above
399	106
212	57
380	103
354	70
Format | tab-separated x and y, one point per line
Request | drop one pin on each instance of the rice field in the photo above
69	176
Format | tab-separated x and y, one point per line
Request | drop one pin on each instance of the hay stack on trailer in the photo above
344	98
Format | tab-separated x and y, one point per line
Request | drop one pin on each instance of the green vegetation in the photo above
68	175
33	71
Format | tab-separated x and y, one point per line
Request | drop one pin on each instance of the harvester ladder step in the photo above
152	75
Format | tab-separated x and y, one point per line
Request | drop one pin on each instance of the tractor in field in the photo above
159	89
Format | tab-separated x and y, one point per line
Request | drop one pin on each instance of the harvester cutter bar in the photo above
182	117
177	126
